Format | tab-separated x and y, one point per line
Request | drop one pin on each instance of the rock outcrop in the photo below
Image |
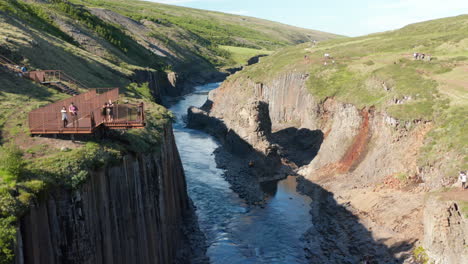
353	154
134	212
445	231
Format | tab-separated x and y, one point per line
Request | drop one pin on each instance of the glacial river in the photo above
235	231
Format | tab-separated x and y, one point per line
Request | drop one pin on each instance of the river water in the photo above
235	231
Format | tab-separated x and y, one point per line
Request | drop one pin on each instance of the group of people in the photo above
107	111
73	110
421	56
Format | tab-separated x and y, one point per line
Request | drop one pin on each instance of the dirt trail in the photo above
456	194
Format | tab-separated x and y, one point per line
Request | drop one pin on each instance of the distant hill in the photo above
126	35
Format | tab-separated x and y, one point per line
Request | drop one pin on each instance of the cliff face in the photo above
354	154
445	231
347	130
131	213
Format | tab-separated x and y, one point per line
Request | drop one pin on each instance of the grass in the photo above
216	27
35	34
46	166
241	55
35	169
202	32
36	16
464	208
378	71
420	255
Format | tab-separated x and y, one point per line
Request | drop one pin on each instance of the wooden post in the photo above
43	123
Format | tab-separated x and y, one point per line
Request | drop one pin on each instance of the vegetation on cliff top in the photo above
379	70
99	49
29	166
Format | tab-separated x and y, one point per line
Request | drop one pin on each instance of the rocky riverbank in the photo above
348	156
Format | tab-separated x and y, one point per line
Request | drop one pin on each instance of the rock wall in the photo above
130	213
445	231
290	105
352	153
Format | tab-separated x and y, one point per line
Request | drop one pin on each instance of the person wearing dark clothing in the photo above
104	112
74	114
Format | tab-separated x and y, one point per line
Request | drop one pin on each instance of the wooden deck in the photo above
48	119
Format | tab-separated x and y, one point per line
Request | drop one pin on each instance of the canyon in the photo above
343	157
290	157
138	211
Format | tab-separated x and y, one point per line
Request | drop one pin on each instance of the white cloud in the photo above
171	2
237	12
388	15
418	6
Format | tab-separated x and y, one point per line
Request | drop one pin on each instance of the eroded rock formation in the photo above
350	154
135	212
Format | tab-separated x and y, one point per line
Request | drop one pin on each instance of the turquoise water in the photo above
235	231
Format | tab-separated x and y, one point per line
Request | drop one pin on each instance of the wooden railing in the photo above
48	119
50	76
9	64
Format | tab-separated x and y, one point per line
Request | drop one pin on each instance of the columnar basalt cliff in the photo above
348	152
136	212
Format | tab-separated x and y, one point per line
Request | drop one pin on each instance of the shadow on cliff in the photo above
338	236
298	145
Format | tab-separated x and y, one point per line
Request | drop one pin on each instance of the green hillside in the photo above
148	34
379	70
104	44
184	27
218	28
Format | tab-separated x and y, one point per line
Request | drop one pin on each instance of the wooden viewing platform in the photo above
48	119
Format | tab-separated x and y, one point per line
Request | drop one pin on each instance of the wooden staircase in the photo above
56	79
63	88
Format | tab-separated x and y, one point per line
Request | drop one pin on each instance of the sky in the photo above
345	17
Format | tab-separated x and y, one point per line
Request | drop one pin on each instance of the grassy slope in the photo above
39	164
31	34
435	91
220	28
209	29
241	55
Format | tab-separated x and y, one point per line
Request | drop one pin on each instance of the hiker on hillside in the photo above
110	111
104	112
415	55
463	179
422	56
74	114
64	116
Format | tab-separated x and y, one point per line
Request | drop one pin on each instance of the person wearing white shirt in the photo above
463	179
